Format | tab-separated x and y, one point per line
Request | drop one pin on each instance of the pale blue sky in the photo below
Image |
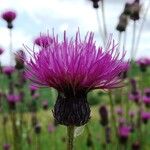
39	16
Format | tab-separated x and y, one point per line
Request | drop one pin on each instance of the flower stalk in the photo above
70	138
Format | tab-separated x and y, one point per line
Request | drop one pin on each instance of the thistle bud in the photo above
123	21
104	115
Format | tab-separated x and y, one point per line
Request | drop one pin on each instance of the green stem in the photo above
104	21
133	40
14	129
99	27
70	132
112	111
89	134
141	28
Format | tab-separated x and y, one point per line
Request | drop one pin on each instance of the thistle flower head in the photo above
136	96
123	133
8	70
145	116
143	63
9	16
12	100
74	67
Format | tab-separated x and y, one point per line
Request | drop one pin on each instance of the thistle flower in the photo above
75	67
9	16
143	64
43	41
136	96
1	51
8	70
119	111
12	100
123	133
145	116
146	97
33	89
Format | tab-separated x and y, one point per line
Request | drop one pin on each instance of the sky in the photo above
35	17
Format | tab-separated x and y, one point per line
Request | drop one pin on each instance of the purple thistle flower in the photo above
119	111
33	89
6	146
136	96
132	114
123	133
43	41
145	116
9	16
1	51
146	97
12	100
143	63
8	70
75	67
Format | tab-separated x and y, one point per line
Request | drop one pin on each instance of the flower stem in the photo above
104	21
70	132
100	27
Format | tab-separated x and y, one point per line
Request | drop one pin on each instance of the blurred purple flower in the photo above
121	121
123	133
43	41
145	116
9	16
6	146
136	96
146	97
8	70
13	98
143	63
119	111
1	51
75	67
132	114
